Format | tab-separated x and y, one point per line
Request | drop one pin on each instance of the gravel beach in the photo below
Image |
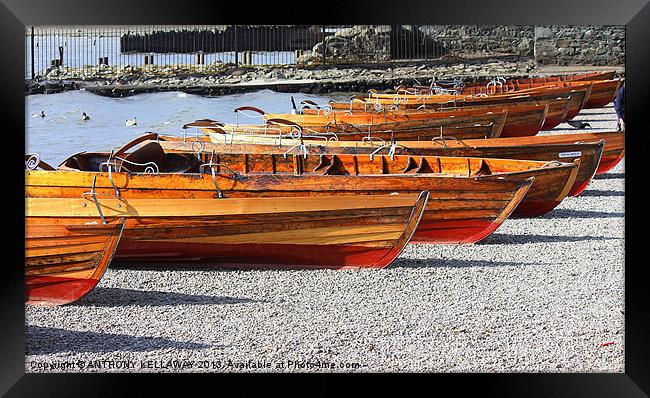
539	295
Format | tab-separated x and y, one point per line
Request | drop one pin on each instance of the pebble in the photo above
539	295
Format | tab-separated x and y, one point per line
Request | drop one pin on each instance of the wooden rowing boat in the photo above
577	98
602	92
542	148
327	231
569	78
548	79
522	119
553	179
65	255
613	151
557	110
461	209
487	125
358	118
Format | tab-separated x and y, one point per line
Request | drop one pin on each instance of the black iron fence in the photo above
89	51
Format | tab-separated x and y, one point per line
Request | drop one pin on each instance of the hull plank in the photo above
358	231
451	198
65	260
595	157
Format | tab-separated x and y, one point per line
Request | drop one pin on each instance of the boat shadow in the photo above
510	239
610	119
599	192
455	263
609	176
598	113
119	297
42	340
569	213
172	266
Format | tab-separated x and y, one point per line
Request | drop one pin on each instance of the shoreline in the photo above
224	79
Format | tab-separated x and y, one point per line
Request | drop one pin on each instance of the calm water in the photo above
62	132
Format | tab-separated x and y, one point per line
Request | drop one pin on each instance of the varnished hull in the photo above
602	91
546	148
603	94
358	133
613	151
521	119
488	125
553	181
297	232
515	127
609	162
263	256
551	79
524	124
576	95
64	259
460	210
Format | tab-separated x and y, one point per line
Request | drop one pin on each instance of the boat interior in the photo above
149	158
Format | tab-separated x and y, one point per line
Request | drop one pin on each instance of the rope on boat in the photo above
551	164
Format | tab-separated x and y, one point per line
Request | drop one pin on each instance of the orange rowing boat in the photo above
461	209
485	125
522	119
577	99
609	75
543	148
65	254
327	231
602	92
553	180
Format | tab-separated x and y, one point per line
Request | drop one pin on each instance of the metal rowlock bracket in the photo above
235	176
109	165
93	196
150	168
211	165
302	150
391	151
198	150
444	143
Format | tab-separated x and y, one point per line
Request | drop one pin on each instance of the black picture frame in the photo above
635	14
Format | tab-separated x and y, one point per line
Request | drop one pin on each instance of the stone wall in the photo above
356	44
477	40
548	45
580	45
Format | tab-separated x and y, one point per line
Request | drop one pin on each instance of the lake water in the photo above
62	133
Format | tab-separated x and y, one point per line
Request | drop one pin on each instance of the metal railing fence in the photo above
95	50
